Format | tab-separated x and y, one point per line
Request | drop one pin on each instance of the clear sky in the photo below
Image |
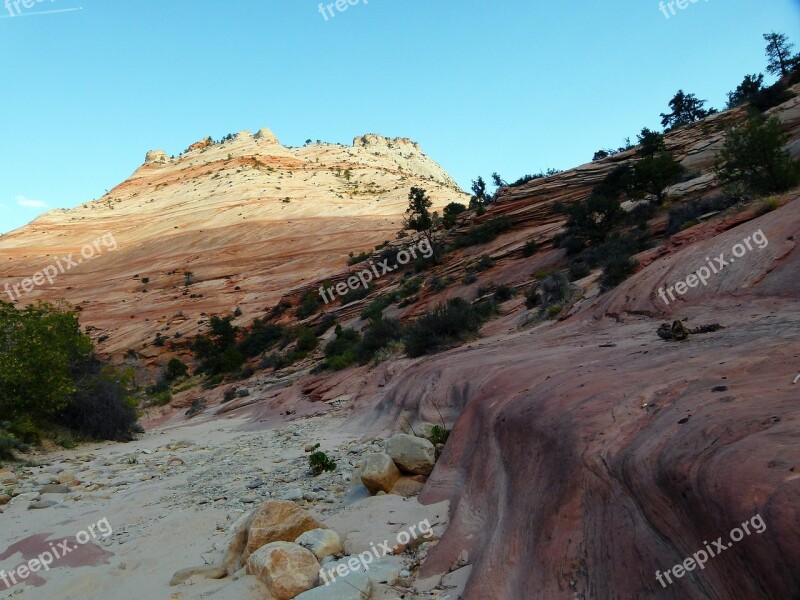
513	86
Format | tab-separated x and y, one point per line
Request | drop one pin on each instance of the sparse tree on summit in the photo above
686	108
779	54
746	91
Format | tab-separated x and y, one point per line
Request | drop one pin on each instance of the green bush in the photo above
309	305
447	324
50	377
175	370
451	212
754	155
439	434
319	462
375	308
354	295
379	334
529	249
483	263
485	232
342	350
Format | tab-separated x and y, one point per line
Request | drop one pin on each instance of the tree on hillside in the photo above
498	181
779	54
754	154
650	142
450	212
479	193
746	91
686	108
418	215
653	174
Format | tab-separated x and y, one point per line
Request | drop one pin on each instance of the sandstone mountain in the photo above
250	219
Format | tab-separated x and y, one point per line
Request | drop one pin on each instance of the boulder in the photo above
273	521
321	542
425	430
285	568
379	473
412	454
156	157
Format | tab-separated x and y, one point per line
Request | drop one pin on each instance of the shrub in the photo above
439	434
229	394
319	462
503	293
754	155
342	350
768	205
554	310
354	295
355	259
175	370
483	263
447	324
379	334
374	309
440	283
260	337
470	278
162	398
529	249
554	289
103	406
451	212
578	270
309	305
410	287
485	232
532	296
325	323
681	215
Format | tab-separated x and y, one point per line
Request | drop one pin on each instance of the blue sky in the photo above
512	85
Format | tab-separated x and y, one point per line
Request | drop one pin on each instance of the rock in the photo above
425	430
356	586
255	484
54	489
156	157
40	504
285	568
409	486
292	495
206	571
321	542
379	473
25	497
273	521
309	447
412	454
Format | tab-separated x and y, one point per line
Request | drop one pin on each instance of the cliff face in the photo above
249	218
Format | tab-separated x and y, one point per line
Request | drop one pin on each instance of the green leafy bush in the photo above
319	462
754	154
447	324
485	232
